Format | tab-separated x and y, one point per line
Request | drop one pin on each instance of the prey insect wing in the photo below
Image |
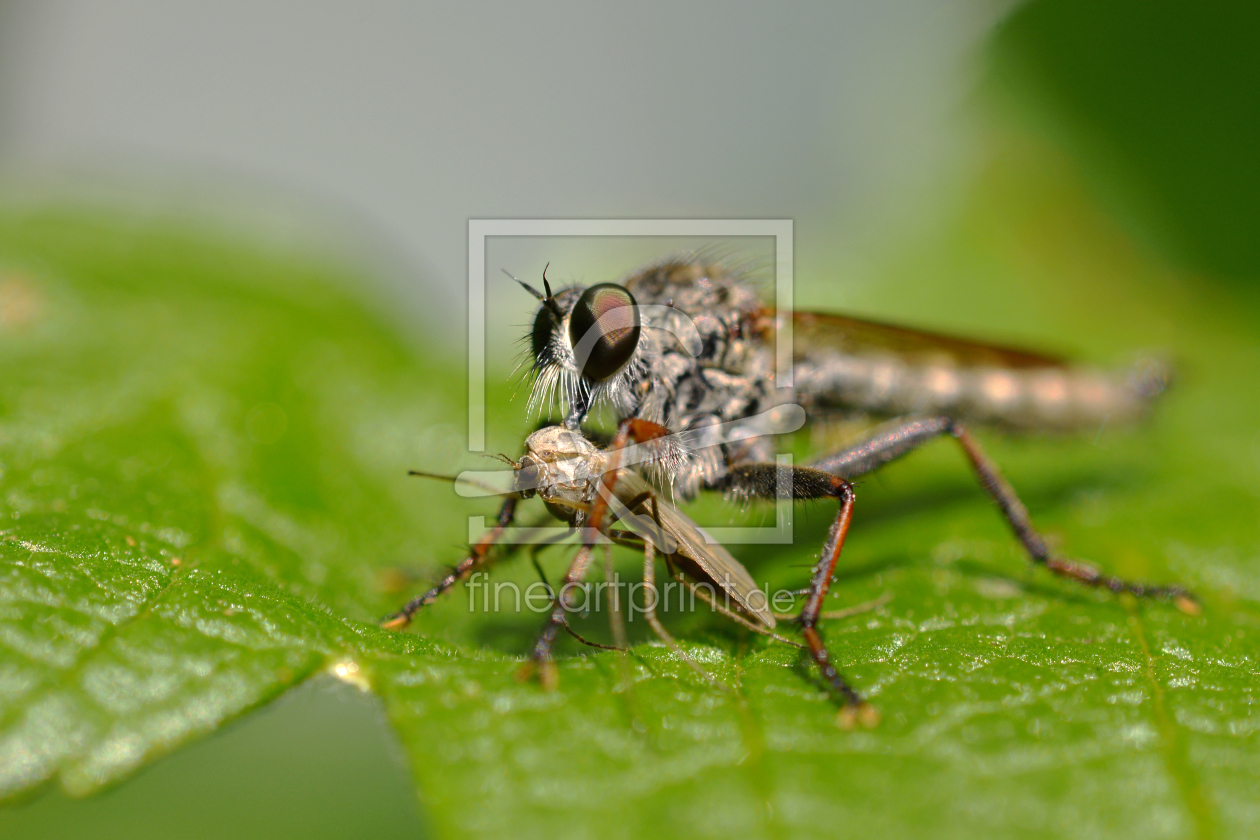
697	554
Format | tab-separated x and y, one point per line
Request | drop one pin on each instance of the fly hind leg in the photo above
902	436
769	481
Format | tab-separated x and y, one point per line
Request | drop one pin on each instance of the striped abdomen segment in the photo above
1050	398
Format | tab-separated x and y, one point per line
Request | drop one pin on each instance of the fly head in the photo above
586	345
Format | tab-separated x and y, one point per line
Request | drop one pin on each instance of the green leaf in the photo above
203	448
182	502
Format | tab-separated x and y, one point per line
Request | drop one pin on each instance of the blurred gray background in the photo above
386	126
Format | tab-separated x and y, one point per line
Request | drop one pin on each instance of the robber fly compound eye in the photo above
604	330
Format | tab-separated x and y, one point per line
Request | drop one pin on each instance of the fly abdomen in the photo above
1030	399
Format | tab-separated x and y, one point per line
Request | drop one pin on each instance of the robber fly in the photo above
687	346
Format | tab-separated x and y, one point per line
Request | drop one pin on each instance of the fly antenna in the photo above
547	285
526	286
549	299
453	479
422	474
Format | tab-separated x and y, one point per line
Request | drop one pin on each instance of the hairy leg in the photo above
900	437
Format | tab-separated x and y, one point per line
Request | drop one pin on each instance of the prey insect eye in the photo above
603	329
525	480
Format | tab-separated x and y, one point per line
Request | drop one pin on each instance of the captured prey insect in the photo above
595	489
598	491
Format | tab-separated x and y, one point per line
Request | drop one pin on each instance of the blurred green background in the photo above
1091	184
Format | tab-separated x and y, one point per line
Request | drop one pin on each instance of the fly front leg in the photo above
769	481
476	557
900	437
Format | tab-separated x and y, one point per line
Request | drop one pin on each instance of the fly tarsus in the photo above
1016	515
1088	575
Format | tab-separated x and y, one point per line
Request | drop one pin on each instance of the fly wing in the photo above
814	331
714	561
